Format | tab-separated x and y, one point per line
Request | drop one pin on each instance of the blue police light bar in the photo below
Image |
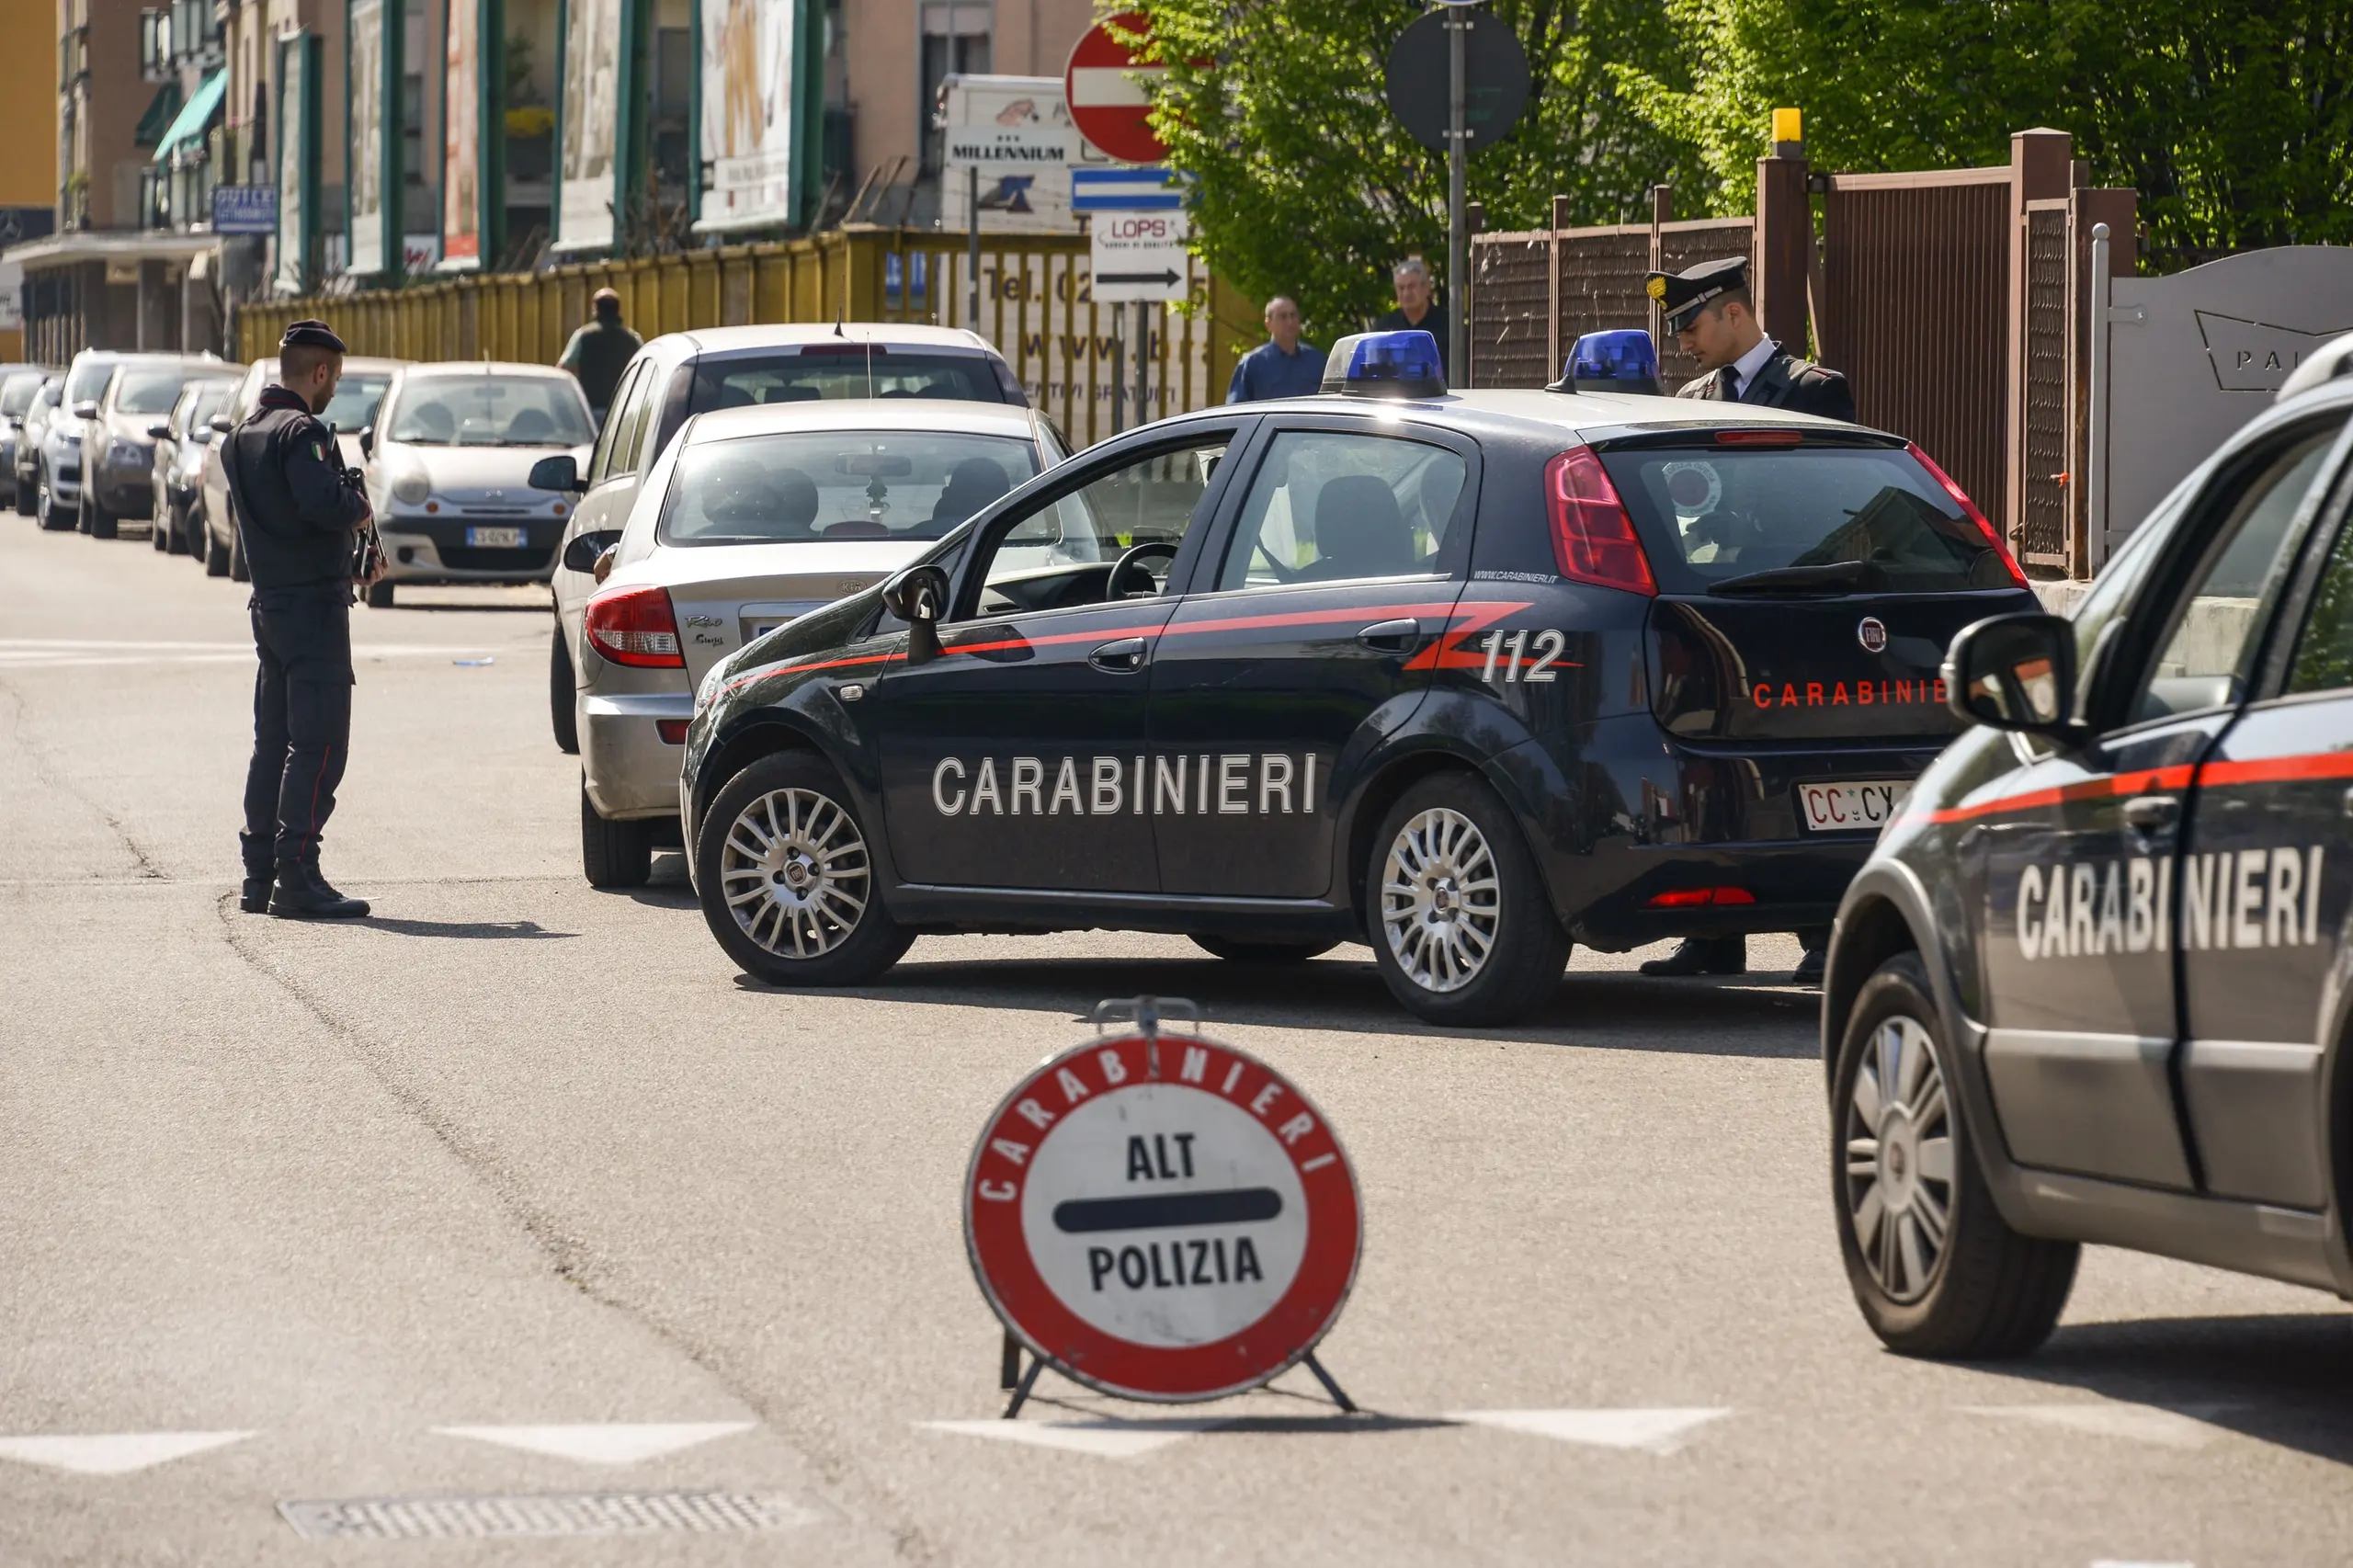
1621	361
1385	364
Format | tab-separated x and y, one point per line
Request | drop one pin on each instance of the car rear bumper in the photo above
630	770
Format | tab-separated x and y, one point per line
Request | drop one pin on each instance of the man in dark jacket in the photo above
599	352
298	519
1709	310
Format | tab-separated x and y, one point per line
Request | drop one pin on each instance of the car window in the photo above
18	393
357	398
2204	657
1062	552
88	377
140	390
836	484
600	461
635	418
825	372
492	411
1329	506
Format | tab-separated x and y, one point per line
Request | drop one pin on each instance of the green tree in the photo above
1309	187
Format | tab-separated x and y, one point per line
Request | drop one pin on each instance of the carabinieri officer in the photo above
298	518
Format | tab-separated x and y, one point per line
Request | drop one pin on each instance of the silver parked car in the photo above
212	528
180	438
29	429
59	478
681	374
18	390
118	443
754	517
448	472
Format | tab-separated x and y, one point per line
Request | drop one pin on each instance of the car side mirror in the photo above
159	432
581	554
220	426
85	410
200	434
2014	672
558	473
918	595
368	440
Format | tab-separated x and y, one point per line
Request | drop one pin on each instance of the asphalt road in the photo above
283	1207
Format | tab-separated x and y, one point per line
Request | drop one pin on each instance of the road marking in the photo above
607	1442
1109	1438
118	1453
1660	1431
77	653
2182	1428
2135	1562
573	1514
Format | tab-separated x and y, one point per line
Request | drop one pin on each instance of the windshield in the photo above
16	395
837	484
355	400
46	399
823	373
492	411
208	402
88	377
149	391
1708	515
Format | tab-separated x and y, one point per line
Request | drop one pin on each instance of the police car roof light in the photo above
1593	536
1622	361
1969	508
1385	364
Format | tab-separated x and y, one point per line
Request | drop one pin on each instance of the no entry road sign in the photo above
1161	1217
1107	102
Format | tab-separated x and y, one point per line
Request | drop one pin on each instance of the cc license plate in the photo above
495	539
1851	808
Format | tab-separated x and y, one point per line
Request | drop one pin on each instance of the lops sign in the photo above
1163	1217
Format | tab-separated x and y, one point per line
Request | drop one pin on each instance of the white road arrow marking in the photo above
607	1442
2182	1428
1112	1440
118	1453
1659	1431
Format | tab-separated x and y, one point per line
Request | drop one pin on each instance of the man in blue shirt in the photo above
1281	367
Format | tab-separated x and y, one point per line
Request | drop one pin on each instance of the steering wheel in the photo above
1132	559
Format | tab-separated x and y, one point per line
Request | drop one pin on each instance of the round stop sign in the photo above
1165	1218
1107	102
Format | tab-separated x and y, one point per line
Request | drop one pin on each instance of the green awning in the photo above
196	117
161	110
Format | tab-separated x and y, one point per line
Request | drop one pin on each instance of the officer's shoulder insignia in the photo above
1656	286
319	450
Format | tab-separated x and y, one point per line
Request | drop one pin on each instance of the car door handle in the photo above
1390	636
2152	814
1122	657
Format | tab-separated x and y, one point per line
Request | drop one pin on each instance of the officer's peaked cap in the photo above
1683	294
311	335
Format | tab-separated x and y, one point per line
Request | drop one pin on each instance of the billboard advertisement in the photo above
461	141
370	58
589	184
752	121
298	162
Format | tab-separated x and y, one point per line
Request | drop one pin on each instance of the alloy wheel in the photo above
1898	1169
1440	900
795	874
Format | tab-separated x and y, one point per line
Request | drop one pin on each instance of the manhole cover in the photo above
560	1513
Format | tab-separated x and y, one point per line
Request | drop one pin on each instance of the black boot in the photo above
1703	955
303	894
254	899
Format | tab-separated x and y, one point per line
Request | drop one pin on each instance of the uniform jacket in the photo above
294	513
1786	382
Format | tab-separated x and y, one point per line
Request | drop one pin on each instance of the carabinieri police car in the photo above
1465	676
2093	984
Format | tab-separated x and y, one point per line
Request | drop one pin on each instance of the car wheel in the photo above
1934	1267
28	500
786	881
52	516
174	530
1461	923
196	532
613	854
1261	952
379	596
564	711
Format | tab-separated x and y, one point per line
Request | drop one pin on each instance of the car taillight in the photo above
1969	508
1592	538
635	627
1760	438
1692	898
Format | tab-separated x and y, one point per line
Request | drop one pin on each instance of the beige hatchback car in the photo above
752	517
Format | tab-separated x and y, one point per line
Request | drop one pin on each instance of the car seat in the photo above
1360	531
971	485
531	425
432	421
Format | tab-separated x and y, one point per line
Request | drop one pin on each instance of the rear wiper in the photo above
1831	577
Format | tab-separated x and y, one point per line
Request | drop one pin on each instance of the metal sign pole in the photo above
972	247
1119	373
1458	239
2095	475
1144	360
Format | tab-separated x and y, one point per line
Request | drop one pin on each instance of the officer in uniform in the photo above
1709	310
299	518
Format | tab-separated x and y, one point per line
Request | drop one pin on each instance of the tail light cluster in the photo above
1695	897
1593	536
1969	509
634	627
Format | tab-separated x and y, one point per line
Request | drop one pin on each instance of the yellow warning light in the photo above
1788	125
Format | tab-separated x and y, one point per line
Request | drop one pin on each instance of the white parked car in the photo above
753	517
449	466
212	527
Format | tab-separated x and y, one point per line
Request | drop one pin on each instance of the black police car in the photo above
2092	986
1463	677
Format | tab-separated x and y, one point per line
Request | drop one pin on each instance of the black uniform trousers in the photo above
301	721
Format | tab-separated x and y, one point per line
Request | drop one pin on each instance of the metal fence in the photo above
1035	303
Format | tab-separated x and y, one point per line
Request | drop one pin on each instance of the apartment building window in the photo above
955	42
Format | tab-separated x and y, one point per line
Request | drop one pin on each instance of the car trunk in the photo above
725	595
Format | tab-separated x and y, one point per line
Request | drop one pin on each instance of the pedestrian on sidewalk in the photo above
1286	365
1417	308
599	352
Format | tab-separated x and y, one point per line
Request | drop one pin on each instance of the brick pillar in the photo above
1784	244
2040	168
